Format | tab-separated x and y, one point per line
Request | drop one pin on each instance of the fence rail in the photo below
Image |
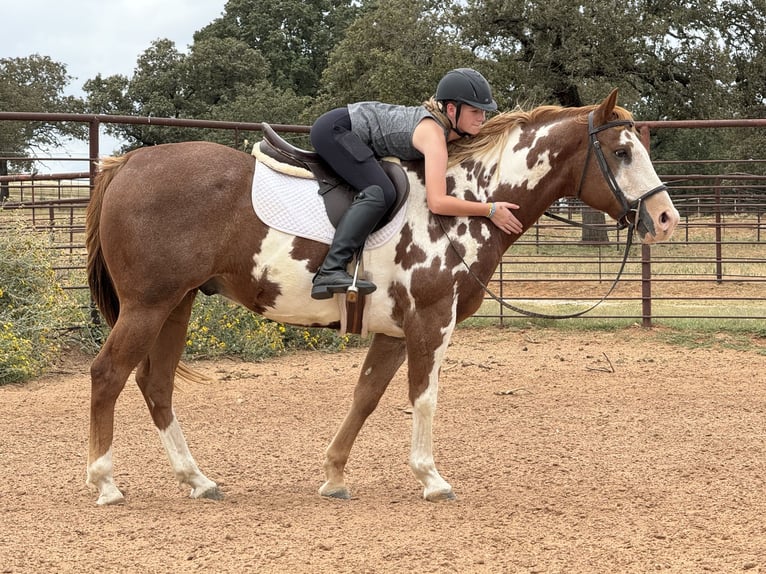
715	267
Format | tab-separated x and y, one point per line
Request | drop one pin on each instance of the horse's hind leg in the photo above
385	356
155	376
127	344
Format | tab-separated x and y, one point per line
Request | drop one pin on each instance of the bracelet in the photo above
492	208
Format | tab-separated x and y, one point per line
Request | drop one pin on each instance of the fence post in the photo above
93	146
718	235
646	258
646	285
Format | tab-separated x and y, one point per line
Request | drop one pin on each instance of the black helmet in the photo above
467	86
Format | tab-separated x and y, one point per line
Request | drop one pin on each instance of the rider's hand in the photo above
504	218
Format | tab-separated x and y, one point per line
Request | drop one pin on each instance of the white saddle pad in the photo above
294	206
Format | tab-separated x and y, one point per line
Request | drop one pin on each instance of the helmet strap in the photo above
458	131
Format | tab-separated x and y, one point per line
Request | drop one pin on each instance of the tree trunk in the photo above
5	192
591	218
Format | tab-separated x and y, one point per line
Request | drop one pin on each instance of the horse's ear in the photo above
605	111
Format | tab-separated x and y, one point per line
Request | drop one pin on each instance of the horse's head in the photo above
618	177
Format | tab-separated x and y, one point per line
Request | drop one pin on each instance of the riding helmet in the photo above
467	86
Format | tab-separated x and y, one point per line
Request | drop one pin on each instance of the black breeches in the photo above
348	155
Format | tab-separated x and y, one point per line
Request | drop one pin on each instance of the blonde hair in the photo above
436	109
494	132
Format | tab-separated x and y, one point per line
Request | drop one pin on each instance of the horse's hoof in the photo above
110	498
340	492
212	493
441	496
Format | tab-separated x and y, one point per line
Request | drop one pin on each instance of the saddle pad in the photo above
293	205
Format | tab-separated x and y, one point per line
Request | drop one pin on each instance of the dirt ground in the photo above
569	452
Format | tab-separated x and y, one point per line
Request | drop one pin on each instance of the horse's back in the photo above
181	170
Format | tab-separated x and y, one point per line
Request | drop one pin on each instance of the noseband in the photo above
594	147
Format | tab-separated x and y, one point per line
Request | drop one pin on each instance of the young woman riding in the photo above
352	139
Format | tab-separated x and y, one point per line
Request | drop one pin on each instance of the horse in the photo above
169	221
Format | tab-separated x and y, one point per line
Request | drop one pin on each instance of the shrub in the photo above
220	328
34	310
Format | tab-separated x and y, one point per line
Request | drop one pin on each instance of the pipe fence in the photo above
714	268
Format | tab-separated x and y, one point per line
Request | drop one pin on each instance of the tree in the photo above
33	84
396	51
157	88
293	36
666	57
221	78
744	37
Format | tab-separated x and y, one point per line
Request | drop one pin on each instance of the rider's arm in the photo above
428	139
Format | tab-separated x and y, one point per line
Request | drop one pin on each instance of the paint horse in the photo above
168	221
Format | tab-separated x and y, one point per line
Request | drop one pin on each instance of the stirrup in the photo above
353	292
352	289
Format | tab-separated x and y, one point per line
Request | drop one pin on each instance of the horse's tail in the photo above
99	280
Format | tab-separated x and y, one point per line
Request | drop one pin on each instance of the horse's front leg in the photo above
385	356
425	354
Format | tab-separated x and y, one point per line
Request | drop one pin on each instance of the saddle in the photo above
336	193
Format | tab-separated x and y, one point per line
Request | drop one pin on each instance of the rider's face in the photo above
471	119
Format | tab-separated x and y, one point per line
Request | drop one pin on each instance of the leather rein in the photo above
623	221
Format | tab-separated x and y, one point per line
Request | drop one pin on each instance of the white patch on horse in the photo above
275	264
182	461
423	411
638	176
515	170
100	477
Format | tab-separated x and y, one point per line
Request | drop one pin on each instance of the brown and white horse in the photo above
168	221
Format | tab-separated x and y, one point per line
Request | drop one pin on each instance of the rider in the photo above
352	138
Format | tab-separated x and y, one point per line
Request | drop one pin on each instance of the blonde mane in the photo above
494	132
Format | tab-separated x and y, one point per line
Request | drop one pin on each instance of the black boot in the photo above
352	231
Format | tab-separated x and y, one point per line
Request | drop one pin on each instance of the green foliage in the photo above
34	84
395	51
293	36
34	310
220	79
291	60
219	328
665	57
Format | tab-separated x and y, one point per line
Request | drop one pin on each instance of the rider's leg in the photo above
350	235
354	161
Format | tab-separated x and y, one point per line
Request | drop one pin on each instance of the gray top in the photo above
388	128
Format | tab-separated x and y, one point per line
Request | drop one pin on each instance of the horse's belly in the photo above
300	312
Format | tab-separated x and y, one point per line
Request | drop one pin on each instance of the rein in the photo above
488	291
628	206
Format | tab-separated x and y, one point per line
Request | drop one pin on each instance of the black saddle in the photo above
337	194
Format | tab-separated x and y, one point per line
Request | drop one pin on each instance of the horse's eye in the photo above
621	153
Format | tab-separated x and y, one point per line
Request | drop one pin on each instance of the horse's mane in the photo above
495	131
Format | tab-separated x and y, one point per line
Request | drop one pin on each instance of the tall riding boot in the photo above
356	224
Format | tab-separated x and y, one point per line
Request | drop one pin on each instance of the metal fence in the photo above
714	268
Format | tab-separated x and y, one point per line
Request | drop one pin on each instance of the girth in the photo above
337	194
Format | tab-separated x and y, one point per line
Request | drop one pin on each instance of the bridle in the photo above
594	148
628	207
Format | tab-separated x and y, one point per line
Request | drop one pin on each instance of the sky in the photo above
93	37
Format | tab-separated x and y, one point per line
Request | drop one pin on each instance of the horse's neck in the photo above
538	187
